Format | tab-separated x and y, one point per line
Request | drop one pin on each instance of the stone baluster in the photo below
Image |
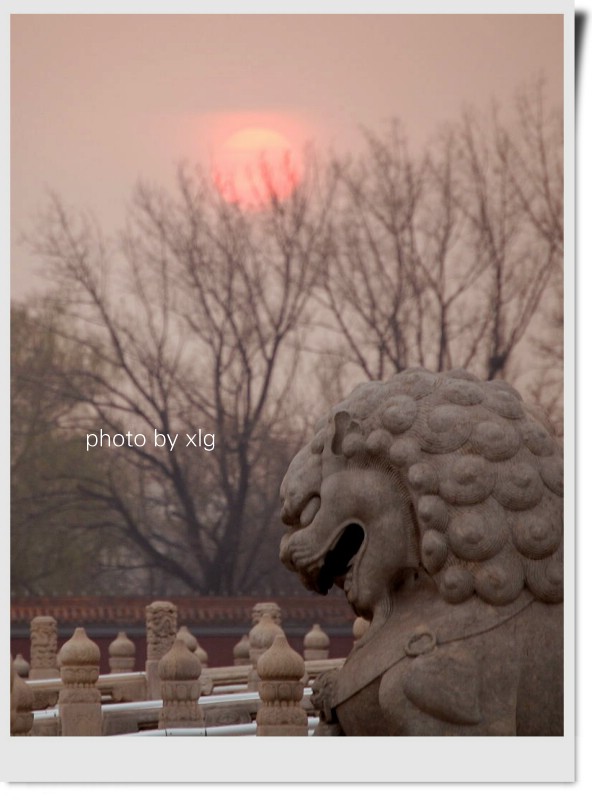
122	654
206	684
261	637
161	630
179	672
240	652
80	700
316	644
259	609
193	645
280	671
21	704
185	634
44	648
21	666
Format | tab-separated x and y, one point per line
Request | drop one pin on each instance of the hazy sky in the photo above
99	101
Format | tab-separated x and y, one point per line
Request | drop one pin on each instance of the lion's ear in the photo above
342	426
341	423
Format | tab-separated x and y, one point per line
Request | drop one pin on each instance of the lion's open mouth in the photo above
339	559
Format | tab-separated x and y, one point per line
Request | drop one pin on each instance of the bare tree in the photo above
537	176
514	211
55	541
198	317
190	326
369	286
397	273
445	258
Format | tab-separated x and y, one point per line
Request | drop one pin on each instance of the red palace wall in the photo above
218	623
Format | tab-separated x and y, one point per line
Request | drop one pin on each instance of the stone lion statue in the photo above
434	501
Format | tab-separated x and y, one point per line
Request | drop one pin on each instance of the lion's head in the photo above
439	472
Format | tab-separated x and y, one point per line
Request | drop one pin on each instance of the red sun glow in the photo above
254	165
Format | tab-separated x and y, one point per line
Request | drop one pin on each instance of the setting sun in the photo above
254	165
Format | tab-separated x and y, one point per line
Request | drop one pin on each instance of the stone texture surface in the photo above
124	690
359	628
80	700
261	637
281	670
21	704
239	714
179	672
240	652
122	654
194	646
259	609
161	630
189	639
44	648
316	643
21	666
435	502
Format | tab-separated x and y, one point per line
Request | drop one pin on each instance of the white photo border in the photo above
316	760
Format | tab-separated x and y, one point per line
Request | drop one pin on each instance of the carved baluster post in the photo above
122	654
240	652
179	672
280	671
274	611
185	634
206	685
261	638
161	629
44	648
21	666
21	704
316	644
193	645
80	700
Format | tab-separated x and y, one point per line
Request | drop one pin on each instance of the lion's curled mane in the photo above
482	469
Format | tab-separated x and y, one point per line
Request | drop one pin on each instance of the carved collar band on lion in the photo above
434	501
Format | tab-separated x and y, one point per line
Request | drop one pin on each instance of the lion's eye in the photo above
310	511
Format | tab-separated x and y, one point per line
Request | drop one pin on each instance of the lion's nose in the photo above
289	517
